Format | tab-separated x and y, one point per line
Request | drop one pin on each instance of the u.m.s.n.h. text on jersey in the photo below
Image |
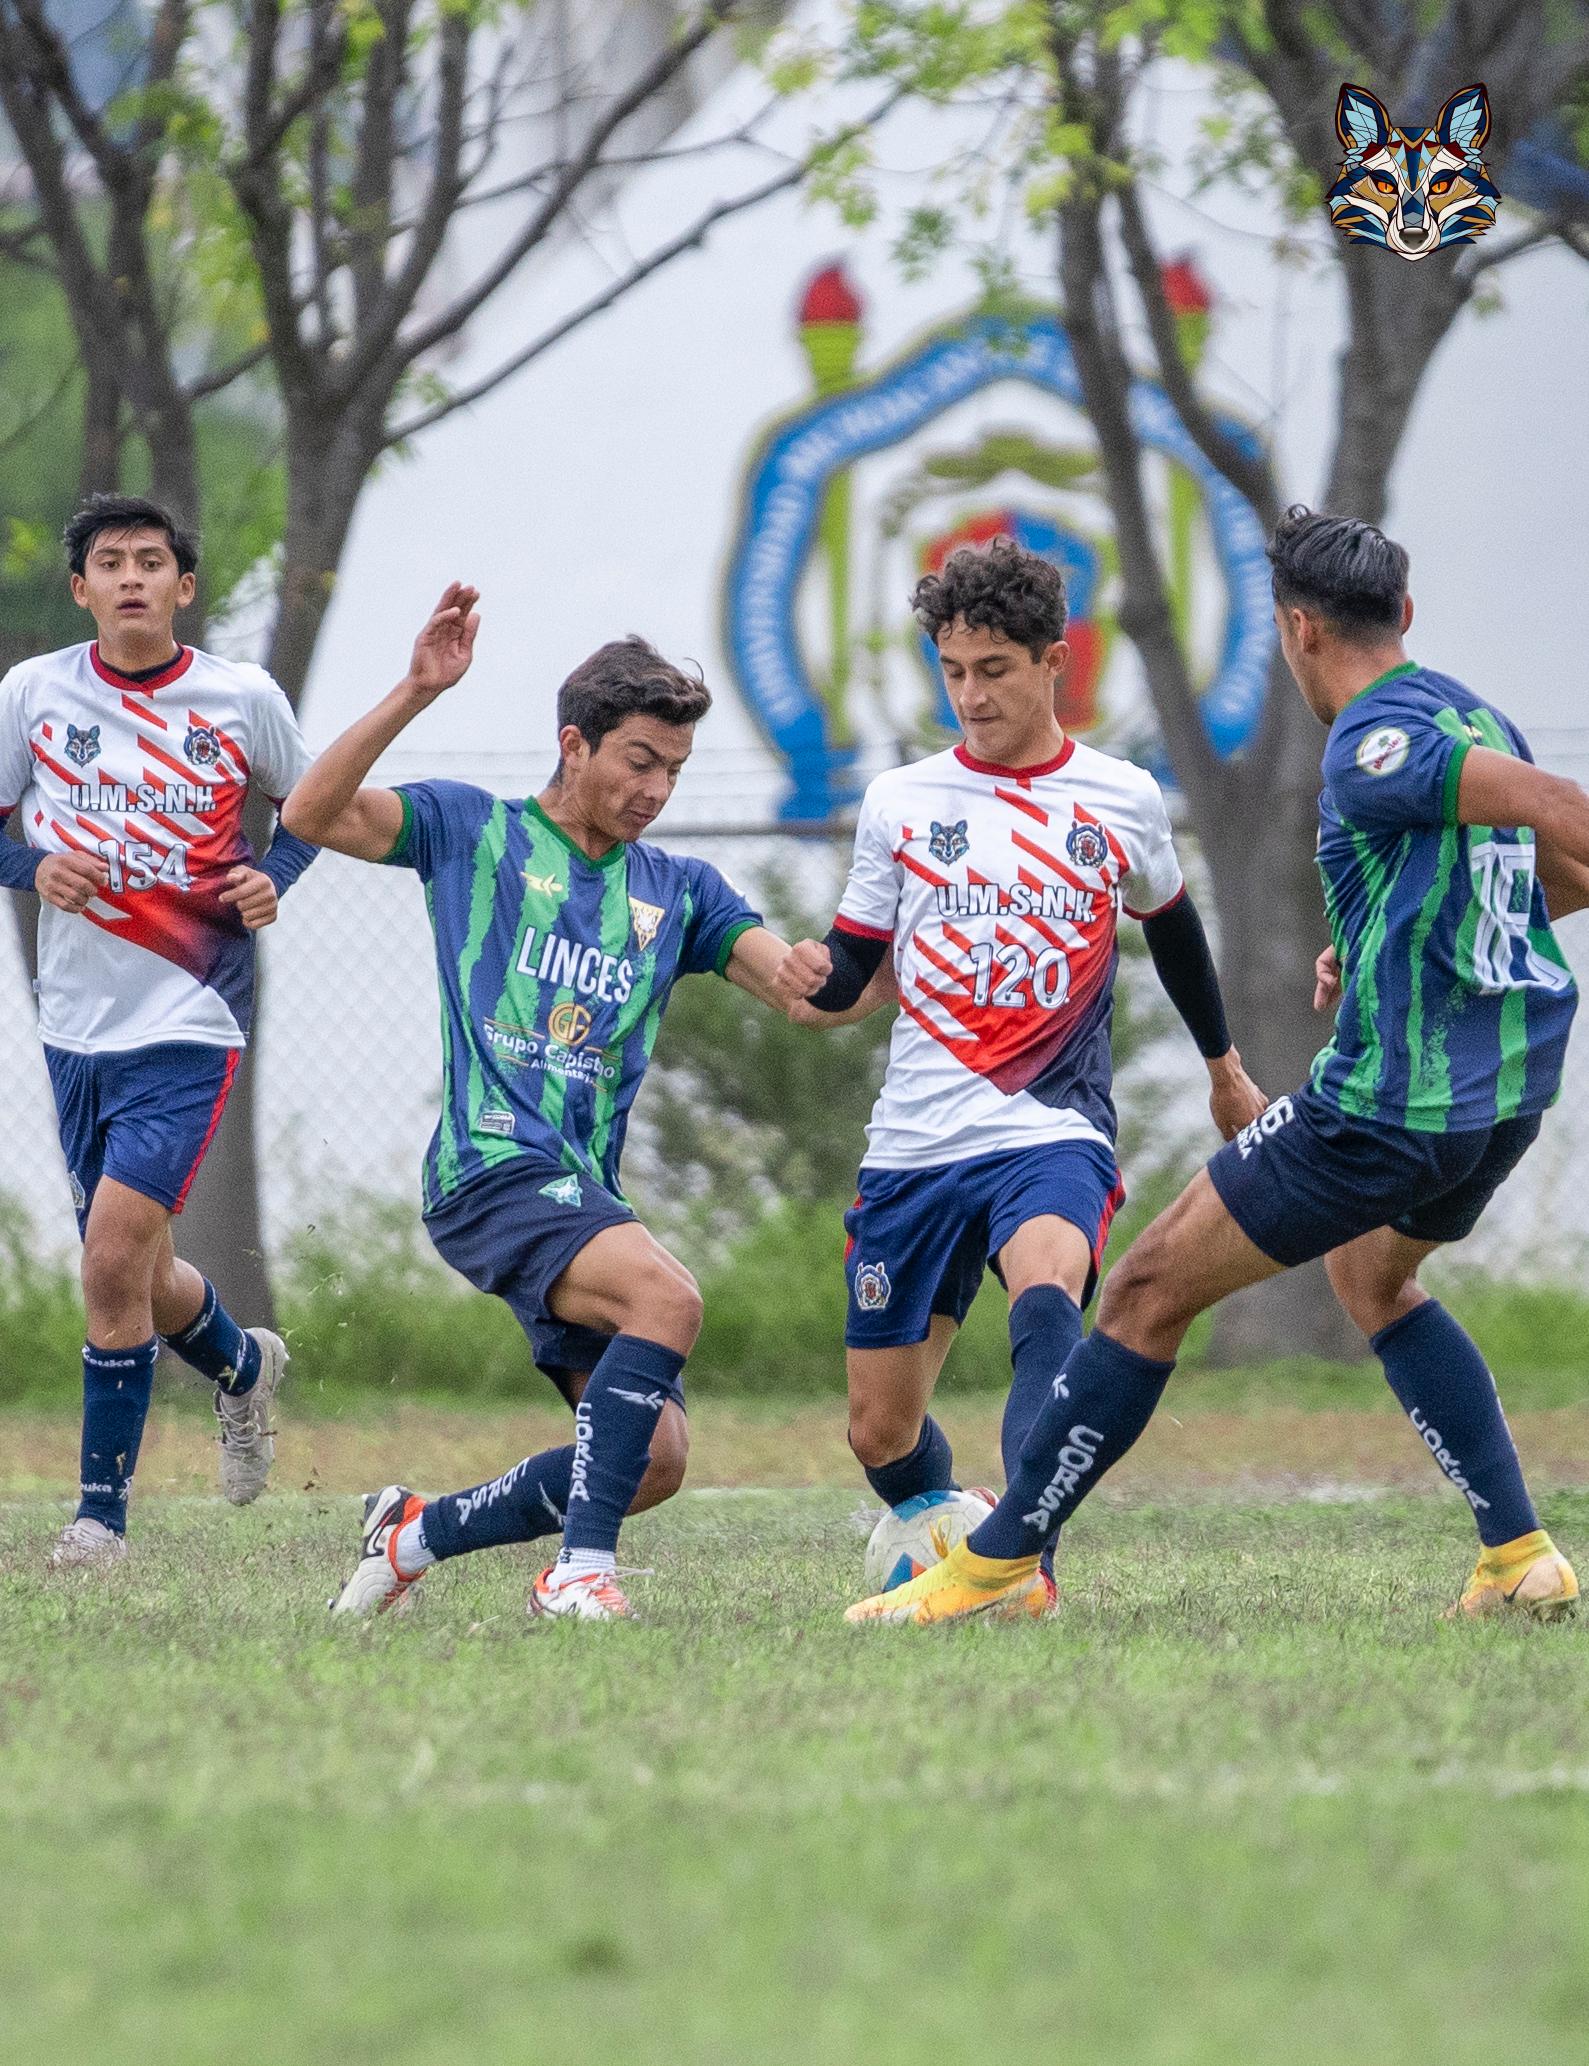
1000	890
151	776
554	971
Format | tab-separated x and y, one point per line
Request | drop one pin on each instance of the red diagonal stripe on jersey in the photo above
47	731
956	938
160	753
939	882
1032	882
142	832
54	766
62	833
946	968
1030	846
239	758
1021	803
914	1011
142	710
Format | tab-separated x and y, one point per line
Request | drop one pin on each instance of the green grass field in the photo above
1248	1800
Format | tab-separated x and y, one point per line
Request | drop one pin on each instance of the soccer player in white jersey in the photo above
126	762
994	875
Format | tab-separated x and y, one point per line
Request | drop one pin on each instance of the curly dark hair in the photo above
628	678
999	587
1349	572
125	513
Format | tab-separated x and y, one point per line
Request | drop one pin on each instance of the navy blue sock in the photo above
1437	1373
217	1347
613	1425
527	1501
116	1388
1095	1410
1045	1325
929	1467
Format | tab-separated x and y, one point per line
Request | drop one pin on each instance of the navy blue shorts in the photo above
144	1117
513	1233
1304	1178
921	1238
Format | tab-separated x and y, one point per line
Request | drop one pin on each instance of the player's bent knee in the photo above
878	1437
115	1272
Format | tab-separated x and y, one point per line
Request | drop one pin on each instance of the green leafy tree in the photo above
1057	84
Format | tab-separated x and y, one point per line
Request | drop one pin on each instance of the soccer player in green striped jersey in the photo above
1445	853
559	935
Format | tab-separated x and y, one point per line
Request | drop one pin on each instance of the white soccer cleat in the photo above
85	1545
377	1585
248	1447
591	1596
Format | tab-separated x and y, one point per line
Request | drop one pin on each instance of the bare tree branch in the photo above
1251	477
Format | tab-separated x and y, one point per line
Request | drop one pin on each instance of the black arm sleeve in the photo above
1179	947
856	959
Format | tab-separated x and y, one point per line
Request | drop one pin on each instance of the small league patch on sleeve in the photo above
1383	751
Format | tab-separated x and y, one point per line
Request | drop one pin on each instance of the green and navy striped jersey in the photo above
1456	998
554	972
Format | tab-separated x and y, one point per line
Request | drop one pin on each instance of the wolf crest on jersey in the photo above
156	956
1413	190
948	842
1004	953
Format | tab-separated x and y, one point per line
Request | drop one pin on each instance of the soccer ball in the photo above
910	1538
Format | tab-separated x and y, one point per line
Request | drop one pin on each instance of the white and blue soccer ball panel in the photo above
911	1538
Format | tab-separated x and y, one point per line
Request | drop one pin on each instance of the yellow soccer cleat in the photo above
1529	1575
962	1585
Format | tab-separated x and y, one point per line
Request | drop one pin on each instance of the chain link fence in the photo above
347	1063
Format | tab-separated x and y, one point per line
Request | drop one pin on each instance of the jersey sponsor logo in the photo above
1265	1126
995	900
569	1024
872	1288
545	885
201	746
120	797
515	1045
566	965
646	918
947	843
1384	751
499	1120
1087	846
564	1191
82	747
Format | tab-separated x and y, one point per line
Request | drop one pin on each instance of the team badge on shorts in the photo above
948	842
872	1288
565	1191
201	746
1087	846
82	747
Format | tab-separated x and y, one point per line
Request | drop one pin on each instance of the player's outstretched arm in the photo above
1179	947
1496	789
329	806
882	990
752	966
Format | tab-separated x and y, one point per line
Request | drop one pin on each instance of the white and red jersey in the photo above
151	776
1000	890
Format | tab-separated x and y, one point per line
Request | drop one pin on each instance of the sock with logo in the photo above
1445	1386
613	1426
929	1467
214	1345
1045	1325
582	1563
1095	1410
116	1388
527	1501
